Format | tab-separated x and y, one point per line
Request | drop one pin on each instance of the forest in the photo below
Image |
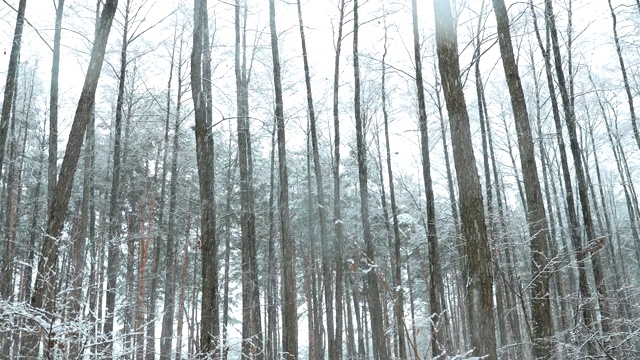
319	179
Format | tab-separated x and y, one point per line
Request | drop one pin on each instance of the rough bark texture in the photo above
209	325
542	321
473	227
289	312
44	291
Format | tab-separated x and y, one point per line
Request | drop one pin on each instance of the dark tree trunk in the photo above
12	78
289	313
437	307
536	217
474	231
209	325
625	77
585	293
166	337
44	291
53	104
322	214
336	352
397	257
252	344
587	219
113	262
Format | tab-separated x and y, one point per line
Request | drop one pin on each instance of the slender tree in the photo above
536	217
289	312
437	306
12	76
45	290
317	170
375	302
337	213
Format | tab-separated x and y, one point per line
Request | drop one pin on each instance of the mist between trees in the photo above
336	179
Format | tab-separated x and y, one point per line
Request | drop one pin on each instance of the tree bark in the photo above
289	313
474	231
379	339
209	325
12	77
437	308
336	352
542	321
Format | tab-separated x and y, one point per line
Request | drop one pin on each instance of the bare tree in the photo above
12	75
536	217
209	325
289	312
473	226
45	289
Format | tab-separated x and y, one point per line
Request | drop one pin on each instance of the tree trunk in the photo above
209	325
317	168
474	231
587	218
397	257
337	214
252	343
625	78
536	216
379	338
289	313
12	77
587	312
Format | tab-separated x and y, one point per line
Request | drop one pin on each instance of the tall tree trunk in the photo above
44	291
289	313
587	218
336	352
379	339
587	312
53	104
183	286
438	316
474	231
271	342
113	262
79	242
209	325
166	337
317	168
397	252
12	77
536	215
252	342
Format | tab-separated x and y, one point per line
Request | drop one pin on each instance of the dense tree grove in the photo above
230	179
